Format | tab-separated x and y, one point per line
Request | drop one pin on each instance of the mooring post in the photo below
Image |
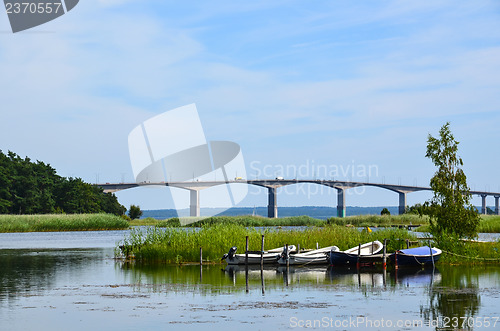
396	260
201	255
246	252
359	254
432	256
298	248
287	258
384	259
407	243
262	253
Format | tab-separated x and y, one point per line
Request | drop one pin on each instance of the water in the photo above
56	281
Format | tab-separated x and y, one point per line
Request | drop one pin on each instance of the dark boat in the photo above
368	254
419	256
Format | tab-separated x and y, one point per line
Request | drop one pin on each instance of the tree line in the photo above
28	187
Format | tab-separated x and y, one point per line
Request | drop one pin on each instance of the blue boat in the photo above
419	256
368	254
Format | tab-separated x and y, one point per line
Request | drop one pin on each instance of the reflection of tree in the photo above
24	271
456	296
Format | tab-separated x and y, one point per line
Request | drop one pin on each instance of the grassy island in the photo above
61	222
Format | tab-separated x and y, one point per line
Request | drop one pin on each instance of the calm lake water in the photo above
70	280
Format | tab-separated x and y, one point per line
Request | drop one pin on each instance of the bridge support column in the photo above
340	202
272	206
402	203
194	207
497	209
483	200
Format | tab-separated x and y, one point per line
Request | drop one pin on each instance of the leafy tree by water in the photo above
385	211
450	210
134	212
28	187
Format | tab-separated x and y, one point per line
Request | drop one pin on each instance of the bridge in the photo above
272	185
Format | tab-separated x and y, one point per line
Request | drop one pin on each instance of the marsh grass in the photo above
469	252
487	224
379	220
256	221
61	222
179	245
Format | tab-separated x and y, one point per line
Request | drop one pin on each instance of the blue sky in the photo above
334	83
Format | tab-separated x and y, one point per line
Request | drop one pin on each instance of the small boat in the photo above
317	256
368	254
270	256
418	256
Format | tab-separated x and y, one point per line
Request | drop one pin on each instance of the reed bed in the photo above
178	245
255	221
61	222
379	220
487	224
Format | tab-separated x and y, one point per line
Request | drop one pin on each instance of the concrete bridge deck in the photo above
273	184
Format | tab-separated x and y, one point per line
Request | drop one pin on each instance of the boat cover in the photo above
424	250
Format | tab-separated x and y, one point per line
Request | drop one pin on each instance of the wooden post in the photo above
262	253
201	255
359	254
246	252
396	260
287	258
298	248
407	243
432	255
384	259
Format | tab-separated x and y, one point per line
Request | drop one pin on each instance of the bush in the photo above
134	212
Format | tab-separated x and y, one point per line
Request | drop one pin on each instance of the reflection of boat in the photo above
254	257
367	254
418	256
416	276
302	274
317	256
344	275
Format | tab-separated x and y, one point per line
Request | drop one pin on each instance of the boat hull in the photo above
368	254
342	258
253	258
317	256
419	256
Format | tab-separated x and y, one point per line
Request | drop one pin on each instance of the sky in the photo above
311	85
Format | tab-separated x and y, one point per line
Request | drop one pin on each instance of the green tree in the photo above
450	210
385	211
134	212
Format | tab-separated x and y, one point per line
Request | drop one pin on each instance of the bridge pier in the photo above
340	202
497	209
402	203
483	199
194	206
272	206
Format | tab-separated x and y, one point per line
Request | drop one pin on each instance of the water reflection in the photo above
444	292
454	299
27	271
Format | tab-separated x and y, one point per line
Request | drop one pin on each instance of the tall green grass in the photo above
254	221
177	245
378	220
487	224
61	222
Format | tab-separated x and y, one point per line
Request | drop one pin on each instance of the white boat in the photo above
270	256
317	256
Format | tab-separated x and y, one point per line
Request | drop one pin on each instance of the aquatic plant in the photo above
61	222
175	245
